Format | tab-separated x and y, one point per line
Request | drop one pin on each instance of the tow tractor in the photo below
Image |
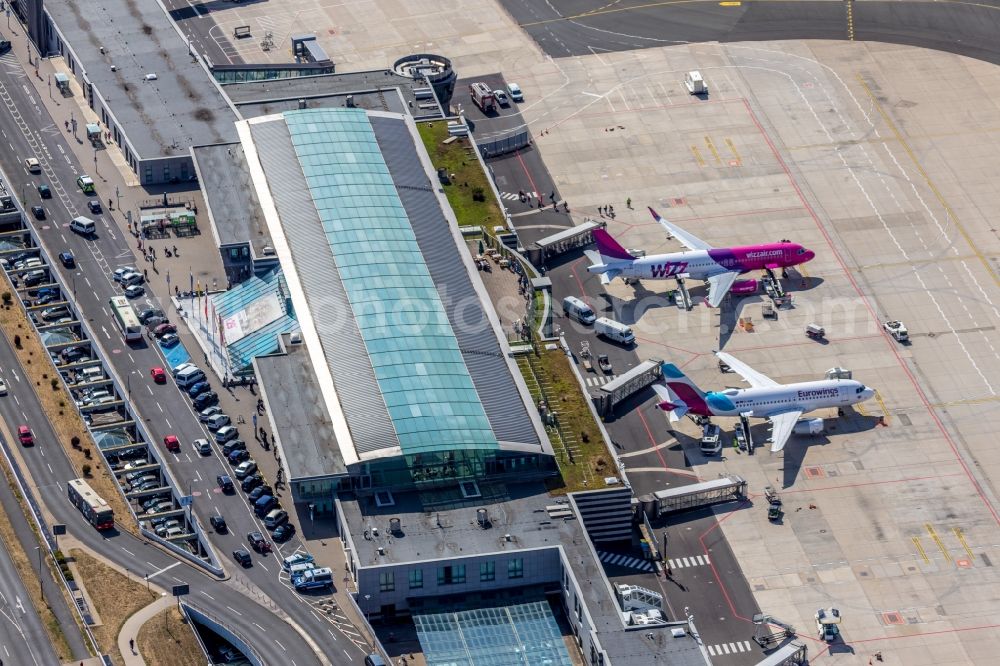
605	363
774	510
827	621
588	365
897	330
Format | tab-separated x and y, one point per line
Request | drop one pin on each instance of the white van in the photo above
83	226
189	377
300	568
577	309
614	330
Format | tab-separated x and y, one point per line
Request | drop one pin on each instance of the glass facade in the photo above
416	579
419	368
225	75
386	581
515	568
452	574
487	571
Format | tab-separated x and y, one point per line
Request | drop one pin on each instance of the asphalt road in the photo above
565	28
22	636
27	128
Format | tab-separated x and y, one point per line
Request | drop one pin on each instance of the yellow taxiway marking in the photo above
927	179
730	3
711	147
697	155
940	544
850	21
885	412
961	539
920	549
732	149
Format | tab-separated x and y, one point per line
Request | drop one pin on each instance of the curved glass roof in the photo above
424	381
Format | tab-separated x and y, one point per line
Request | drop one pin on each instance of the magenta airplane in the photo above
719	266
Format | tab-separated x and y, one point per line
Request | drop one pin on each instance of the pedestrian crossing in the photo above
620	560
722	649
598	380
513	196
684	562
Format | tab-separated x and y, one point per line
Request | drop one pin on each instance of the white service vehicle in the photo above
897	330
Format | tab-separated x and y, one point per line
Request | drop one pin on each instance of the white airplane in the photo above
720	267
781	404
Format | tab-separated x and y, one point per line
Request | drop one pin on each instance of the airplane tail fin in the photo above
610	249
598	265
692	397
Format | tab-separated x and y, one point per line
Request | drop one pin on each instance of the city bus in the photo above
126	318
94	509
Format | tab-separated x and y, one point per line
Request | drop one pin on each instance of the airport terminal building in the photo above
400	376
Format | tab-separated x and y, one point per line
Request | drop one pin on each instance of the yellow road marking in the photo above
732	149
885	412
970	401
697	155
927	179
937	540
730	3
961	540
861	409
920	549
711	147
850	20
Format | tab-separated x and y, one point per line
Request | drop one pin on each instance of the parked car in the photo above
158	374
67	259
94	205
153	322
172	443
3	387
44	191
283	532
206	399
251	482
203	446
275	518
237	457
148	313
124	270
218	524
258	492
38	212
37	276
4	46
234	445
163	329
205	414
225	483
198	388
134	291
243	557
218	421
131	278
245	469
169	340
515	92
501	98
25	436
226	432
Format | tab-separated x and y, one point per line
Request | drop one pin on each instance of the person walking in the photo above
628	203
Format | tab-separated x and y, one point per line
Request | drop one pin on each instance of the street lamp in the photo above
367	597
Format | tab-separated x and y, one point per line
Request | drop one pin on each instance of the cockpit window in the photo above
801	250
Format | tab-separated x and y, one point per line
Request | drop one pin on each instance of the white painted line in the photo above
231	608
127	551
711	650
261	565
157	573
207	594
733	648
348	655
590	94
278	643
725	648
260	627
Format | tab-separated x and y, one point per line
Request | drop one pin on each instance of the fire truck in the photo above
483	97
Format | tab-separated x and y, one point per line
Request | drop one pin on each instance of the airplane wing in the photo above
689	241
781	428
719	285
751	376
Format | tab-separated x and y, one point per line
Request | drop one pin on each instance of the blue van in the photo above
263	506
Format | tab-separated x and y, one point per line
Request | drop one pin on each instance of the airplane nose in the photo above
808	256
868	394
